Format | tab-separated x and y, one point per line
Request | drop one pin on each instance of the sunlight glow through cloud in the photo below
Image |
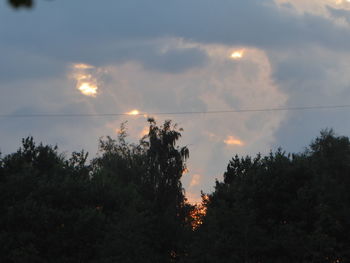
88	89
339	2
237	54
196	179
208	86
86	82
83	66
133	113
233	141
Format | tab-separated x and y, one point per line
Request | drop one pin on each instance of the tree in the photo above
281	208
21	3
48	212
166	163
154	169
126	205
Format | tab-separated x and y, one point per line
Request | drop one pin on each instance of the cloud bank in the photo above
161	56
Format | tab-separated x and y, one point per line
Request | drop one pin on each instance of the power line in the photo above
62	115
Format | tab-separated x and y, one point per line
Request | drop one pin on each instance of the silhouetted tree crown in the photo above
21	3
281	208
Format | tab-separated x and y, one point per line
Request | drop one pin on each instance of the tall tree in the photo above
127	205
153	168
281	208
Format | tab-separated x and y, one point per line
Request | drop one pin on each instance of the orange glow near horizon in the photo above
198	213
233	141
133	113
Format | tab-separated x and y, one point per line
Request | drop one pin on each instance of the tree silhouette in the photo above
281	208
21	3
128	204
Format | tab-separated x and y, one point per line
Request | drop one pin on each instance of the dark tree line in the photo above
128	204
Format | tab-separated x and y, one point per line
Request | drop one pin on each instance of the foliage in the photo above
128	204
281	208
55	209
21	3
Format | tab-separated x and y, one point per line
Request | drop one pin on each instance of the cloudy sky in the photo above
95	57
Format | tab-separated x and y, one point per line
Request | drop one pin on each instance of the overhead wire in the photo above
61	115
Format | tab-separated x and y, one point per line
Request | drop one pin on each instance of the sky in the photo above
96	57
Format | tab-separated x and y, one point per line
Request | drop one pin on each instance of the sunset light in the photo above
82	66
85	78
340	2
195	180
175	131
144	131
233	141
199	212
237	54
133	112
88	89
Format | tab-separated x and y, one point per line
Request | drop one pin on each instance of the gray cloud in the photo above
177	60
85	30
138	43
20	64
312	76
339	13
